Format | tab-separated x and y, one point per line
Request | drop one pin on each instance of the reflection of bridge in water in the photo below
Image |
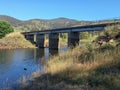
73	35
43	54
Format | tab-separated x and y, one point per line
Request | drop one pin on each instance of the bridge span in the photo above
73	34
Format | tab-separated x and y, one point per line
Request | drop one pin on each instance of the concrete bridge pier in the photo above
73	38
53	40
40	38
35	38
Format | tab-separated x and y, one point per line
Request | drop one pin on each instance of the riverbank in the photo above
15	40
81	68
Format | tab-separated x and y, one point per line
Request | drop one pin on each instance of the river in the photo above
14	64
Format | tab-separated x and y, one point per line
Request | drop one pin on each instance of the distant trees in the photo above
5	28
84	35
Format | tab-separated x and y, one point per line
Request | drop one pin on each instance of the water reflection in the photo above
53	52
40	52
13	62
5	60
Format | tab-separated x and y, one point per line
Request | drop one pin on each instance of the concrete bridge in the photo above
73	34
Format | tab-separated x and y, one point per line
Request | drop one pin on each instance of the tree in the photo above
5	28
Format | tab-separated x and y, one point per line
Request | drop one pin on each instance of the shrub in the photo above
84	35
5	28
107	47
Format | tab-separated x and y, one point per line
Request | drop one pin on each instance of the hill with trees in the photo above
42	24
11	20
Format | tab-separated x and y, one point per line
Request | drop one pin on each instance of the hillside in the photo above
43	24
13	21
65	22
40	24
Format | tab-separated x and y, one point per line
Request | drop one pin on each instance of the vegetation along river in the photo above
14	64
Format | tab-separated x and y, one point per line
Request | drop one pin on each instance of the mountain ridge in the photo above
43	24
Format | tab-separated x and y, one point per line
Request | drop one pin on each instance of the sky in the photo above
50	9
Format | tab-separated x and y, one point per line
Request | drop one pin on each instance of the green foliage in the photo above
5	28
63	39
64	35
84	35
107	47
101	37
112	30
89	47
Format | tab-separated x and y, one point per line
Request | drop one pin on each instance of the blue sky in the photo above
50	9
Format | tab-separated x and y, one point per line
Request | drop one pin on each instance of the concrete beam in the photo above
53	40
73	38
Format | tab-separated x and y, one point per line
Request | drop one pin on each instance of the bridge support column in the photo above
53	40
73	38
40	40
35	38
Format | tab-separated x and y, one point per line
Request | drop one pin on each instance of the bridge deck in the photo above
96	27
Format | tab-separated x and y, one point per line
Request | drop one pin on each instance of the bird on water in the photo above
25	69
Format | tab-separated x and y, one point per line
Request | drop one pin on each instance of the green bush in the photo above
112	30
84	35
5	28
107	47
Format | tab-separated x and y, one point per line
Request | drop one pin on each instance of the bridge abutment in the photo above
31	38
27	37
53	40
73	38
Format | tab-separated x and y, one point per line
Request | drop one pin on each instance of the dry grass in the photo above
63	61
24	81
81	69
14	40
15	34
87	67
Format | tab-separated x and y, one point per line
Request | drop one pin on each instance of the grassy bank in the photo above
14	40
81	69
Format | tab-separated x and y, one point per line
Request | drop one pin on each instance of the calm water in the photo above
13	62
